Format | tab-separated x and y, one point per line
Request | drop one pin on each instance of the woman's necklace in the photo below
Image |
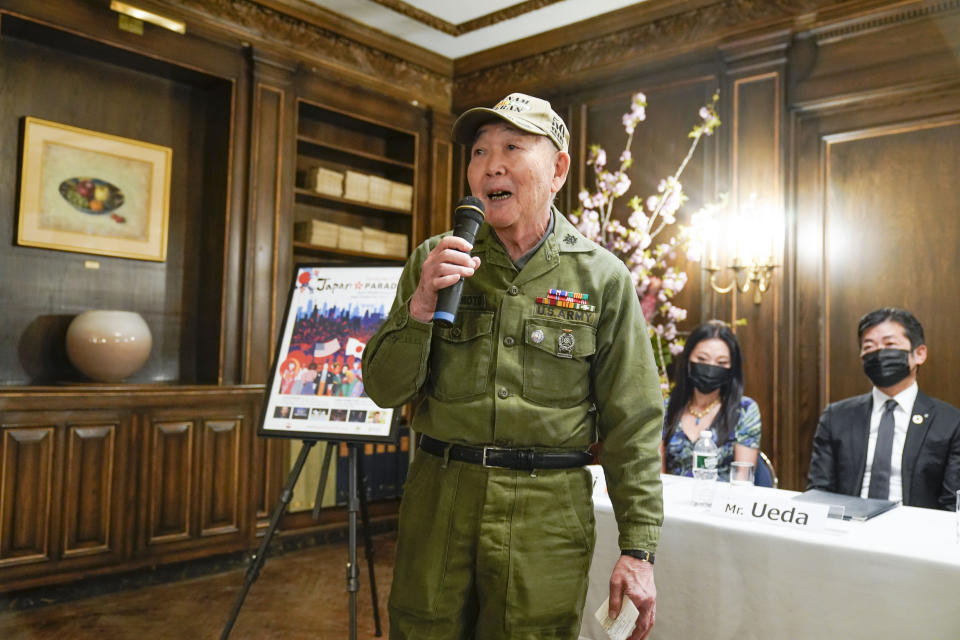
699	414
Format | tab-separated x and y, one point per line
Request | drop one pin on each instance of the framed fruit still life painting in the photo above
92	192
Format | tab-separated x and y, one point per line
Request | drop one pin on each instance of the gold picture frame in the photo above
92	192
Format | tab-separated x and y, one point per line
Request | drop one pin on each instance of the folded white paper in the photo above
622	627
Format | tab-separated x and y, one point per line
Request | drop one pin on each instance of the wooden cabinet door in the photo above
220	498
27	484
169	466
65	499
195	482
94	505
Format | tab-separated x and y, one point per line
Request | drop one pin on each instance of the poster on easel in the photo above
315	389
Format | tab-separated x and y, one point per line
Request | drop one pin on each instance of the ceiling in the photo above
457	28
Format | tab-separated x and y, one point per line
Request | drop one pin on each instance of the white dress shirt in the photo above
901	422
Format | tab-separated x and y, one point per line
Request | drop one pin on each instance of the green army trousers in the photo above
486	553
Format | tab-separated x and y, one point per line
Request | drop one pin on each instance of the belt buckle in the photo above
483	458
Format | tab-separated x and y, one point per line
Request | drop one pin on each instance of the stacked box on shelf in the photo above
350	239
356	186
401	196
396	244
326	181
374	240
379	193
318	232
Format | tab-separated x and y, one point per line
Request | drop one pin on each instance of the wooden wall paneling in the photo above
871	232
574	114
804	277
888	241
423	208
169	465
220	480
204	349
28	480
754	98
268	265
232	299
267	460
270	262
441	175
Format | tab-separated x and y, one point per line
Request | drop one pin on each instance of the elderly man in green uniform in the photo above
548	353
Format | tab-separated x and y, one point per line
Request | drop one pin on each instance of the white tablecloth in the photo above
896	576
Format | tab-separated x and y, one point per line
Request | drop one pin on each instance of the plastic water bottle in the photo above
704	469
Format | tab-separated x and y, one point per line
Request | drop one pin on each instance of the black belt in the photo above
520	459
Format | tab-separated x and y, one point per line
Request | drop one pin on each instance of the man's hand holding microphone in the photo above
441	278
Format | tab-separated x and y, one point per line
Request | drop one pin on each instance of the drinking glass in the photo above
741	474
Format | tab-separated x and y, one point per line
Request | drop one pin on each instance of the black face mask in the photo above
709	377
886	367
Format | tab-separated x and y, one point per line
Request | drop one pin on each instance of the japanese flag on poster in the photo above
354	347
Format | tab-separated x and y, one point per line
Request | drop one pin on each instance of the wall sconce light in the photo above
756	275
751	234
148	16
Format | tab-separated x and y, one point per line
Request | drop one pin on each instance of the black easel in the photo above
355	488
356	501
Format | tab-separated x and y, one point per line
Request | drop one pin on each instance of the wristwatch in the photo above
639	554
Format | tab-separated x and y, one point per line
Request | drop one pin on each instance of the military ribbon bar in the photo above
560	293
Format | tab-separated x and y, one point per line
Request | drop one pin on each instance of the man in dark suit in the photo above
895	442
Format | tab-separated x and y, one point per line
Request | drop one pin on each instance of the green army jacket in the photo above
515	372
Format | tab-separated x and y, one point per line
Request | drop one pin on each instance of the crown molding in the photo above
586	30
317	40
486	20
325	19
867	22
657	31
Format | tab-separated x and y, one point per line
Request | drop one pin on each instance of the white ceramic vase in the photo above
108	346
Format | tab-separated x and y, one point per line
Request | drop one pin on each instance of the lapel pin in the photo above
917	419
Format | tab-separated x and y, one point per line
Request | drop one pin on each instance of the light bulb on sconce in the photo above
752	231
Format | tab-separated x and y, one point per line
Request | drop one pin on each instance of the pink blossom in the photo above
597	157
636	238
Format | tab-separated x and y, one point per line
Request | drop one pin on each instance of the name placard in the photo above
749	507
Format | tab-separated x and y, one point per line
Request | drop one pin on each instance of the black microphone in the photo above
467	218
